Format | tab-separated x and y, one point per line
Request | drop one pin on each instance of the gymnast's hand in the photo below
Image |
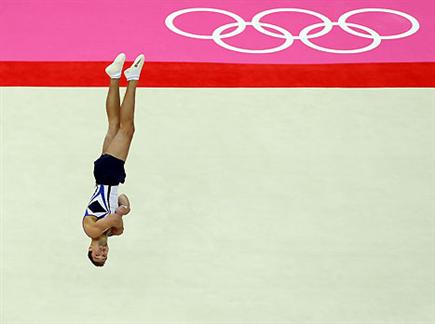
124	205
122	210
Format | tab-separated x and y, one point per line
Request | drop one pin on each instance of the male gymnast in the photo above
103	215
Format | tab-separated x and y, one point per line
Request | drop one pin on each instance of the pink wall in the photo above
97	30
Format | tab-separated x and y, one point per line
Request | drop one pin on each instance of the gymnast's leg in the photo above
120	144
113	113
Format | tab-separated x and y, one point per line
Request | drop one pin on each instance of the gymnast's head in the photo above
98	251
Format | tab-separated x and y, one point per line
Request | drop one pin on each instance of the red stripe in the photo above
155	74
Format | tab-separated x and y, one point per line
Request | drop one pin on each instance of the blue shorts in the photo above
109	170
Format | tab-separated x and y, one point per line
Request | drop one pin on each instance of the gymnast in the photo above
103	215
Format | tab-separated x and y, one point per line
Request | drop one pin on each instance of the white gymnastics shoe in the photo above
114	70
133	72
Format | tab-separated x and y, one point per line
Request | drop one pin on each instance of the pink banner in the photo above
267	32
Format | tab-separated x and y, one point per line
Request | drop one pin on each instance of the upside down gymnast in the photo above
103	215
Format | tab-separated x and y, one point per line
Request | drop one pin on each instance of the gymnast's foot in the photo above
114	70
133	72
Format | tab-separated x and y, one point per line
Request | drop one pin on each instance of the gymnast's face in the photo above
99	252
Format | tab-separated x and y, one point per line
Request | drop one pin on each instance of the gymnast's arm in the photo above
117	230
112	223
123	209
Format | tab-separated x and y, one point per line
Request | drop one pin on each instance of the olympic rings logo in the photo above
219	34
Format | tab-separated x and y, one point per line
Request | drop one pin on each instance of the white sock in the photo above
114	70
133	72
